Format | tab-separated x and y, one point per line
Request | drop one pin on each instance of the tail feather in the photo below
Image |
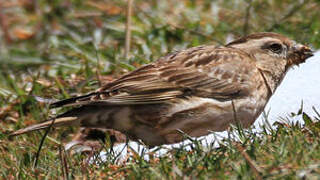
72	100
86	116
57	122
81	116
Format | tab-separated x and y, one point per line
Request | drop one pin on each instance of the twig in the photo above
292	11
239	127
41	143
128	29
256	170
247	18
64	165
315	110
4	25
98	68
234	112
87	14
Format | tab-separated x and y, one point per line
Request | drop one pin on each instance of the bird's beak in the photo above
300	53
305	51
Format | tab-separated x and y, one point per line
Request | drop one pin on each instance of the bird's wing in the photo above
201	71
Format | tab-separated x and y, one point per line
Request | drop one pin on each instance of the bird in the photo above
195	91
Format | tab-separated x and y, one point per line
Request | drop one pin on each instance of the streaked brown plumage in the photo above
191	90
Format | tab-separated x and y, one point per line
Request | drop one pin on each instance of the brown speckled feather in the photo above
193	72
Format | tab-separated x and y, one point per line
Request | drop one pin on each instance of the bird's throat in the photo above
272	80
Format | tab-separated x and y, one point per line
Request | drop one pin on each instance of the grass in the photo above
290	151
60	49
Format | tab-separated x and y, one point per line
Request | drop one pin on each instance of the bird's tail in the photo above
62	121
72	117
88	116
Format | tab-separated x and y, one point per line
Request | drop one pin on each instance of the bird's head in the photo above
272	47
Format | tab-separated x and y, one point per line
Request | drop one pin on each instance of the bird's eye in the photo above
276	48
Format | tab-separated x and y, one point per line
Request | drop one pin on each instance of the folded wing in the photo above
204	72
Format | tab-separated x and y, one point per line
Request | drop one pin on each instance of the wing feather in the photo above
206	73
